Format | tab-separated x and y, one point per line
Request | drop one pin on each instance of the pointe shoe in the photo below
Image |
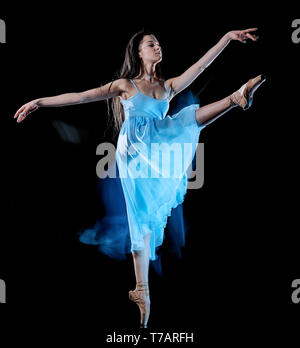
244	96
141	297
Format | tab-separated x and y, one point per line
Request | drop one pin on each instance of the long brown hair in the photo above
131	68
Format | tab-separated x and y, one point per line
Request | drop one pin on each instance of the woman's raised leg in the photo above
210	112
243	98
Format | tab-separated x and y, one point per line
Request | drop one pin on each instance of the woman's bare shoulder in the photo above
125	87
122	84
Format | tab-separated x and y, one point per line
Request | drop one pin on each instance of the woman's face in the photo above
150	50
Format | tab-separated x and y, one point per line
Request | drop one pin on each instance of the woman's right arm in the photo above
110	90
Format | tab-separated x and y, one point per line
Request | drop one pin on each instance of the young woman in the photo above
140	104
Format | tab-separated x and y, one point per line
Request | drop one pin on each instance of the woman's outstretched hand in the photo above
25	110
242	35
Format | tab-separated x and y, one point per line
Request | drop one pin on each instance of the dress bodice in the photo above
141	104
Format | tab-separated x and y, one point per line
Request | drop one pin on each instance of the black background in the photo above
241	253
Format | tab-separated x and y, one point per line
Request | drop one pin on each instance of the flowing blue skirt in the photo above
153	157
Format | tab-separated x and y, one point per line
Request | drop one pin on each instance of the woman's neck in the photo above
148	74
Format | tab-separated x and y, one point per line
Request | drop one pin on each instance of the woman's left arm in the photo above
179	83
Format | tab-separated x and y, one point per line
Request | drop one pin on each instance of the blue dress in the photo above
154	153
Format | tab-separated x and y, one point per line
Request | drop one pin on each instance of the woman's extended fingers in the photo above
19	111
250	36
243	35
20	114
251	29
21	117
25	110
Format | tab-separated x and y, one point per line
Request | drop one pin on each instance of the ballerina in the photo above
141	100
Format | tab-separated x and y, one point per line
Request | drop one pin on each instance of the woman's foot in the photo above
141	297
244	96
